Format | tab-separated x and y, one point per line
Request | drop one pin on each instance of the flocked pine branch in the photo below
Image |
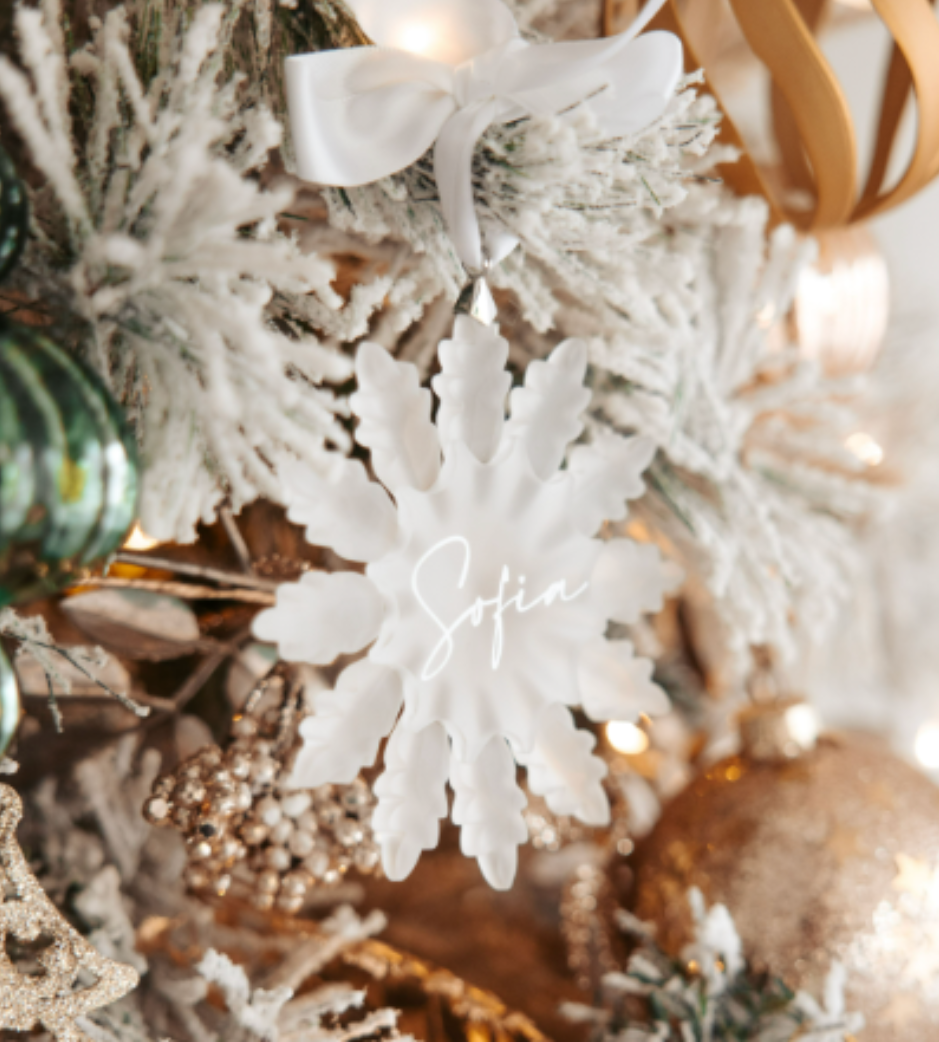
36	642
153	230
753	479
710	995
78	829
218	331
586	207
632	245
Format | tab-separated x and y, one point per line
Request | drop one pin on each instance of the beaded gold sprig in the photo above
248	835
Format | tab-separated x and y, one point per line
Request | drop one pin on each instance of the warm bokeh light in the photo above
927	745
766	316
139	540
625	737
842	302
802	722
416	38
865	448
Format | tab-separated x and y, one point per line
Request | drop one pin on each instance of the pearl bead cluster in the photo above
247	836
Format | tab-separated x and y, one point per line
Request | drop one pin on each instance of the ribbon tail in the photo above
643	18
640	84
546	78
453	169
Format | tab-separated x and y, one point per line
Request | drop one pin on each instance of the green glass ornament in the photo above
68	463
68	467
14	215
9	702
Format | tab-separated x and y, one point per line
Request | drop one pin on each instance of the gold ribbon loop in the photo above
812	120
914	63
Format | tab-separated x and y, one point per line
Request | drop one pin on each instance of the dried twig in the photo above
216	575
236	539
185	591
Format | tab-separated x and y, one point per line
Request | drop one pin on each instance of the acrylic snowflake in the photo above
486	598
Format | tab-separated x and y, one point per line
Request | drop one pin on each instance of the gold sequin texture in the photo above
49	998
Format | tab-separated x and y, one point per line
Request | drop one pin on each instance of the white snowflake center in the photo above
490	571
442	652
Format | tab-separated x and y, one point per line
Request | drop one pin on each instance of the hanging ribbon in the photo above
812	120
361	114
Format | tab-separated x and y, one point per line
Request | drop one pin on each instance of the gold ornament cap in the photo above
778	731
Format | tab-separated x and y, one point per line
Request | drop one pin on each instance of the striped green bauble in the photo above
68	466
14	215
9	703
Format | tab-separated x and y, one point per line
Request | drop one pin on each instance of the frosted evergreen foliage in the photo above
159	247
116	876
154	234
580	202
753	479
681	297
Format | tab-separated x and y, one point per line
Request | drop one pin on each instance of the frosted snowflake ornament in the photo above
486	598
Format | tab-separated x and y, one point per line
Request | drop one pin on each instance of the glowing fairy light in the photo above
803	724
417	38
926	746
626	737
139	540
866	448
766	316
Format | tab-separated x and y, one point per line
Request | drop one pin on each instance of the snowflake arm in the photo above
411	798
562	768
350	514
631	579
606	474
349	723
488	808
394	414
472	388
546	412
322	616
615	685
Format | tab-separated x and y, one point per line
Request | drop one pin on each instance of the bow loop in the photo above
360	115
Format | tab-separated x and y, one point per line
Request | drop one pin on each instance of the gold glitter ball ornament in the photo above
46	994
830	855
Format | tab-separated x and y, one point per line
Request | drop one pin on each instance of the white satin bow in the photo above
360	114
